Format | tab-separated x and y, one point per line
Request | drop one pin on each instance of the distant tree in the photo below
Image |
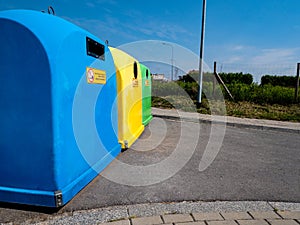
239	78
283	81
228	78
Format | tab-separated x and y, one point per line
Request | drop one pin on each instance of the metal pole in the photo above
297	83
201	51
172	58
172	72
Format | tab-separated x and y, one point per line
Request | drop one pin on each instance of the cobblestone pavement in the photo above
184	213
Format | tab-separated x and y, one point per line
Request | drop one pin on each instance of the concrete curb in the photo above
268	125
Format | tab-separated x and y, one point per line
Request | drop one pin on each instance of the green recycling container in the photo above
146	95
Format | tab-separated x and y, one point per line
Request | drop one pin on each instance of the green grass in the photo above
251	101
237	109
264	111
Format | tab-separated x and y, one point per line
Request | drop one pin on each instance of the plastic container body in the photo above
146	94
129	83
58	123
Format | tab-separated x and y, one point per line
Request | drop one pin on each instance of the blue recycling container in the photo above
58	114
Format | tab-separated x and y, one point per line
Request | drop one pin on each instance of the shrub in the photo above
284	81
262	94
240	78
165	88
228	78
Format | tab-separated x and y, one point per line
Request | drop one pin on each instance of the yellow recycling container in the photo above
129	86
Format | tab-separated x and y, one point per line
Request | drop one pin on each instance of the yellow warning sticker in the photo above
135	82
95	76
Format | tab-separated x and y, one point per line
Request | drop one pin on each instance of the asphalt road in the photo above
250	165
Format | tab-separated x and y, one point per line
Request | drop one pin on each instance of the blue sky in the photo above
239	33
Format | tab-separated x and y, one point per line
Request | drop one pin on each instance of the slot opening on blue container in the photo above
95	49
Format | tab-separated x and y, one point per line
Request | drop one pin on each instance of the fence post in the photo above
219	79
297	83
214	78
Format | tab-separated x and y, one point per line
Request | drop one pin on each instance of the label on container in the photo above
135	82
95	76
147	83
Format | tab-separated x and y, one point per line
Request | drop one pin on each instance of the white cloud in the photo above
157	51
250	59
253	55
233	59
158	29
102	29
278	55
131	31
238	47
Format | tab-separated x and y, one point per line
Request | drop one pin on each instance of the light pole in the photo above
201	51
172	59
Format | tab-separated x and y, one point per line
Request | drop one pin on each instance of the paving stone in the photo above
265	215
191	223
289	214
120	222
207	216
155	209
147	220
252	222
177	218
236	216
283	222
227	222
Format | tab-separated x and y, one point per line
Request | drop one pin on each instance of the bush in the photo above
284	81
262	94
228	78
190	88
194	77
165	88
240	78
